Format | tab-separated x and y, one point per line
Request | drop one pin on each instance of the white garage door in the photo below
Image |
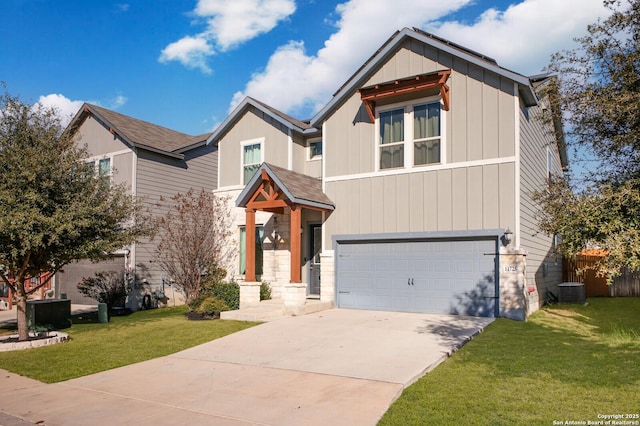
436	276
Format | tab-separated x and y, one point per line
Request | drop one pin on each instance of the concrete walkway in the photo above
336	367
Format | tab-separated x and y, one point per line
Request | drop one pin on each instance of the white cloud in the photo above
192	52
229	24
123	7
66	107
117	102
363	26
523	37
520	38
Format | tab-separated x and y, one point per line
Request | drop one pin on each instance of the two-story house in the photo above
153	162
410	190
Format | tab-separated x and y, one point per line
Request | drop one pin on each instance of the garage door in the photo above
435	276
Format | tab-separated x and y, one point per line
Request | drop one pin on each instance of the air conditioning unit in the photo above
571	293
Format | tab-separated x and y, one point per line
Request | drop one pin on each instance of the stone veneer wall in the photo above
512	270
327	276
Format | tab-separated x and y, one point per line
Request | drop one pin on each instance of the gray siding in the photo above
544	268
480	124
123	168
160	176
97	138
465	198
252	125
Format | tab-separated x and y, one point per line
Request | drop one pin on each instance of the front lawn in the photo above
566	363
95	347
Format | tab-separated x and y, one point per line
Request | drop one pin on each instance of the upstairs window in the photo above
410	135
392	139
426	134
104	167
315	149
251	160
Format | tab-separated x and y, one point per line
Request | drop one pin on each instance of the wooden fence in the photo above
625	285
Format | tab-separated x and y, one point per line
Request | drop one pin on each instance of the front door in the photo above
315	246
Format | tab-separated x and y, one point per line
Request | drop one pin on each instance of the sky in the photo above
185	64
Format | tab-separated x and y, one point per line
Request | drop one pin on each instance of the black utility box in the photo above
49	312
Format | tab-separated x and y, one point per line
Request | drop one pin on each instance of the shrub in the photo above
265	291
106	287
229	292
212	306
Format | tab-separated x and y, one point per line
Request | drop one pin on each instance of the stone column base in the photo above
294	294
249	293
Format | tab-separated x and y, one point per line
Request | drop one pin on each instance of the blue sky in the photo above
184	64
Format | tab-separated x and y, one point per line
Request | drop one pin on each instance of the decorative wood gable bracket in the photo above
268	197
418	83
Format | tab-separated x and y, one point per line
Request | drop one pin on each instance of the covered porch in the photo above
299	207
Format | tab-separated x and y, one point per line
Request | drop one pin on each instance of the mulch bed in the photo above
194	316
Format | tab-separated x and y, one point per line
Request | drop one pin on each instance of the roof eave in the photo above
236	113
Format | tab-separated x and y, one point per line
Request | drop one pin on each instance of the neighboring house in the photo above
410	190
153	162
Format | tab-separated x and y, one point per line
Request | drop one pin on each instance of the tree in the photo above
599	92
193	239
107	287
53	209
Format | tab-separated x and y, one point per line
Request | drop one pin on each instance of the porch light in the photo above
508	236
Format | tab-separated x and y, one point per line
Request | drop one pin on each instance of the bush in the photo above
227	292
106	287
265	291
212	306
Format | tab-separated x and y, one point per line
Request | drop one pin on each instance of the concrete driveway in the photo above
332	367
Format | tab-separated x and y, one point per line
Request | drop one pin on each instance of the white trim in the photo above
107	155
289	150
228	188
134	174
324	163
516	102
247	143
422	169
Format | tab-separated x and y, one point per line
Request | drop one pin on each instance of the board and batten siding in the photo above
161	176
97	138
462	198
544	268
122	165
480	124
252	125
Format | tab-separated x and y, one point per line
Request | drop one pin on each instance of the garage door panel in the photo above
438	276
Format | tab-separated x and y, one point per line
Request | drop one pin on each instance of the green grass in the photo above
95	347
567	362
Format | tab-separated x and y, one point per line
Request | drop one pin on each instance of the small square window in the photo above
315	149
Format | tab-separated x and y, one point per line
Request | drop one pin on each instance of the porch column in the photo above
295	243
250	249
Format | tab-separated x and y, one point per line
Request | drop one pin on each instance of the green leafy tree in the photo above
598	90
53	209
193	239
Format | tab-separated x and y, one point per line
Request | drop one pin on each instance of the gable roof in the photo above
289	122
138	133
297	187
394	43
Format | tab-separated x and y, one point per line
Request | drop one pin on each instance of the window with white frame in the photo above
409	135
315	149
102	167
251	159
